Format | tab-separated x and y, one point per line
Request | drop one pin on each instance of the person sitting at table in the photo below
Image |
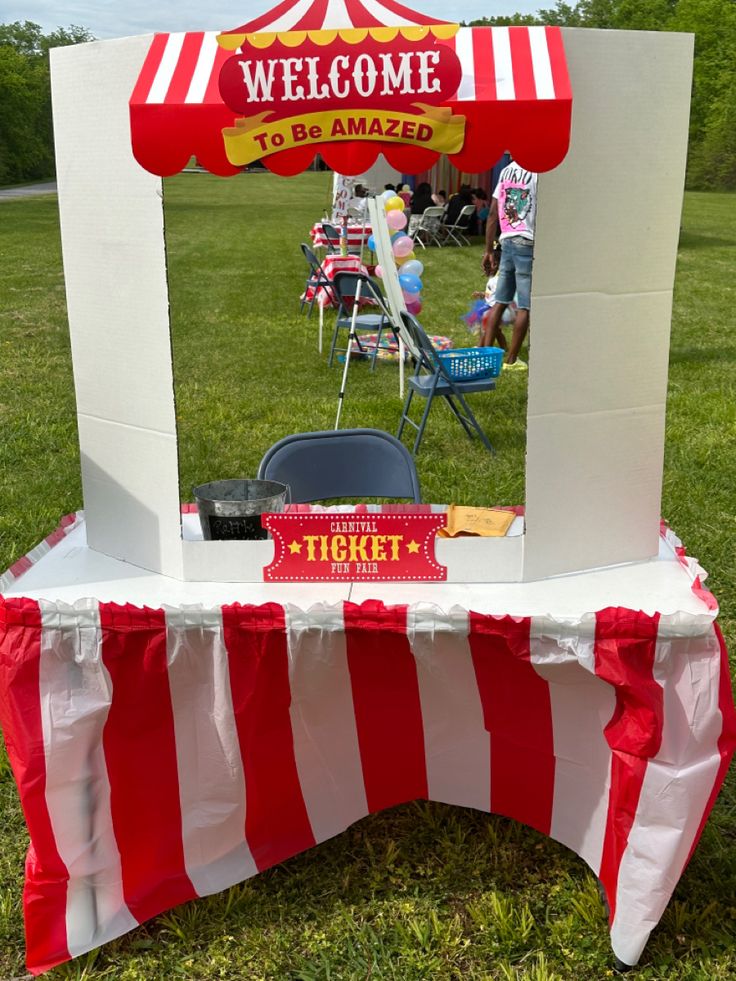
404	193
457	202
357	203
482	210
422	199
440	199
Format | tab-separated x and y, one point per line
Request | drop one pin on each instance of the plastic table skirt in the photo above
357	235
168	751
332	264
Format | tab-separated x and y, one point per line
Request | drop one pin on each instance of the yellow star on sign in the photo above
412	547
295	548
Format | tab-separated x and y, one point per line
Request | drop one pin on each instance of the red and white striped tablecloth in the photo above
357	235
332	264
165	754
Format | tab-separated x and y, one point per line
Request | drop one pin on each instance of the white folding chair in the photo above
455	233
427	226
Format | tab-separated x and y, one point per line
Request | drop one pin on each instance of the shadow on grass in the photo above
693	240
693	355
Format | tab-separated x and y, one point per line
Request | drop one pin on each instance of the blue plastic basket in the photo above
472	363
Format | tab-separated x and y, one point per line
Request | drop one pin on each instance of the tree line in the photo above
26	135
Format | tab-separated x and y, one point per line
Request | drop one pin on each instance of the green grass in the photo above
247	367
424	891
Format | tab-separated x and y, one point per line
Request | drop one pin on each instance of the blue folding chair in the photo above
332	234
431	378
345	285
342	463
316	280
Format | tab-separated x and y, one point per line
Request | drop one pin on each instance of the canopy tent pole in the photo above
351	338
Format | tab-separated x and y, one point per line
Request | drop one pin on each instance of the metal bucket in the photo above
232	509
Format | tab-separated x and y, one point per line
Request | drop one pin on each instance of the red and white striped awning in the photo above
308	15
515	94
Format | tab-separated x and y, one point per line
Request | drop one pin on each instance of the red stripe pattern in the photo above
140	752
727	738
518	716
387	708
367	651
276	824
314	19
521	57
625	645
45	891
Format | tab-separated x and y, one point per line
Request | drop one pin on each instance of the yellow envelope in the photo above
485	522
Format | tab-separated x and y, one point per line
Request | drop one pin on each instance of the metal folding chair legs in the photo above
455	235
465	417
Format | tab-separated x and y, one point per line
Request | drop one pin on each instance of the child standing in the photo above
479	312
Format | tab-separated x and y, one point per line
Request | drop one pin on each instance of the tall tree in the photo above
26	137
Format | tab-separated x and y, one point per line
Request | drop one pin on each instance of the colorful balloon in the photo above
388	194
403	246
394	203
371	243
409	283
412	266
402	260
379	271
396	220
414	306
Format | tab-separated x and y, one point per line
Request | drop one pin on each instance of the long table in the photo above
172	739
358	236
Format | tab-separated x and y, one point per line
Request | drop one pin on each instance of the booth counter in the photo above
170	739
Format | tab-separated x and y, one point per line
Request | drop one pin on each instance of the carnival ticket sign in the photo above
379	547
385	91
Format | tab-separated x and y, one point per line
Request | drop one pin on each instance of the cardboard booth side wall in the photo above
607	231
112	234
605	252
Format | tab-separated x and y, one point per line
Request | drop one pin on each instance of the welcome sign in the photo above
386	91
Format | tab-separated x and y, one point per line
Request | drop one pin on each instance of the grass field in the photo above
423	891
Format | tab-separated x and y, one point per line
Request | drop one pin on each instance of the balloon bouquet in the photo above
410	268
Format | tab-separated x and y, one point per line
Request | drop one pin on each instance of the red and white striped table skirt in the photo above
163	755
357	236
332	264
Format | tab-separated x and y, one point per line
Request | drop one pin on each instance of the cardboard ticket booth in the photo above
571	677
601	306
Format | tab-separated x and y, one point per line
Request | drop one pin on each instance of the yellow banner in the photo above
434	128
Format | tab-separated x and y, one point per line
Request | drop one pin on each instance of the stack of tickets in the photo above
486	522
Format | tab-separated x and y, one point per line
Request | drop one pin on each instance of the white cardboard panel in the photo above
481	559
113	239
608	217
124	470
606	241
226	561
117	295
72	572
599	501
602	352
467	560
385	256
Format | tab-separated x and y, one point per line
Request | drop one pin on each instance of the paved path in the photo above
27	191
